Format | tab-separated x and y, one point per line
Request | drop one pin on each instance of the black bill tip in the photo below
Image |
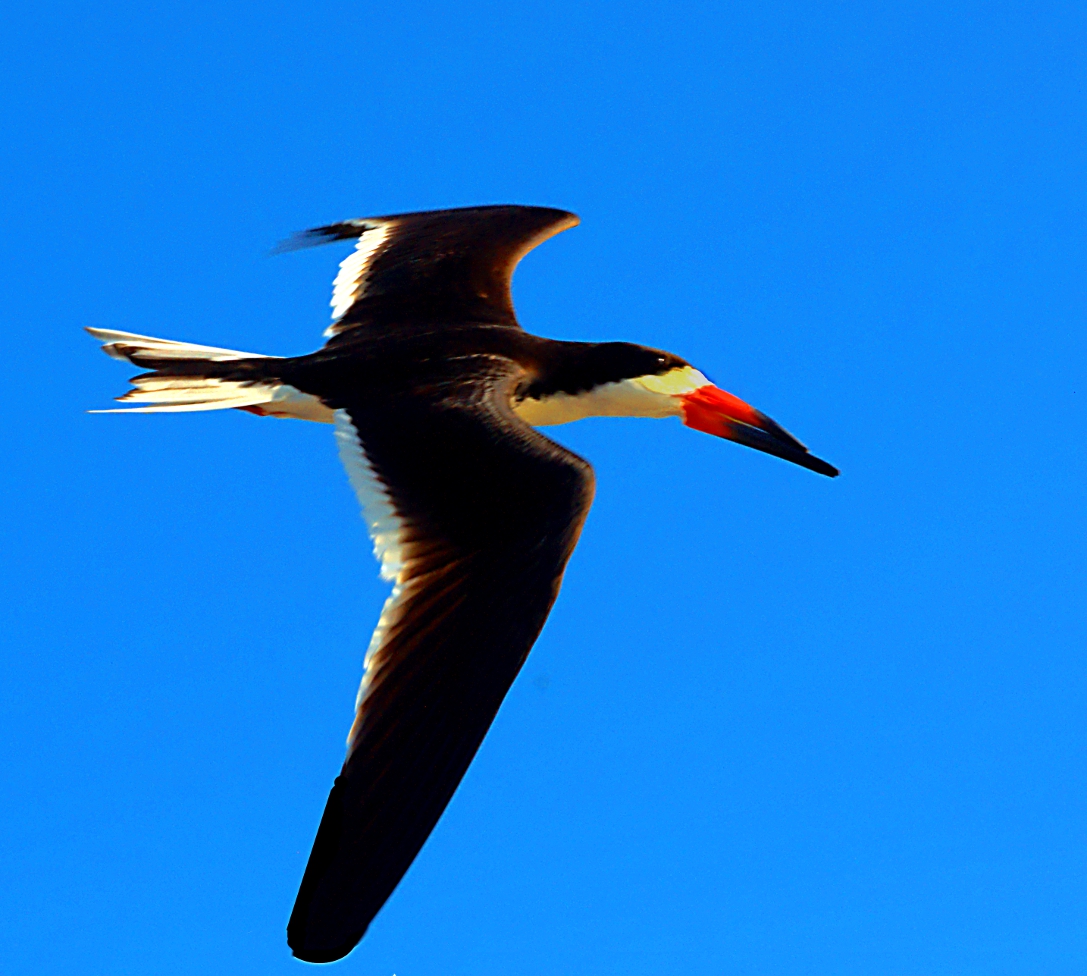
782	445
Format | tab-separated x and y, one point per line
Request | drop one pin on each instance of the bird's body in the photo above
435	392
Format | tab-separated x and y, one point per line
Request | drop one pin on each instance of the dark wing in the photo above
474	514
439	265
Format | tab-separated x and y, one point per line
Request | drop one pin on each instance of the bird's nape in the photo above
716	412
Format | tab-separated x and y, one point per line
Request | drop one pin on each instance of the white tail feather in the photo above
125	345
185	394
182	407
196	390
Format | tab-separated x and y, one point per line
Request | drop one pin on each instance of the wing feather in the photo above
486	512
437	265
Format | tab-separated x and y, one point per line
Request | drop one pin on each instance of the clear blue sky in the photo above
777	724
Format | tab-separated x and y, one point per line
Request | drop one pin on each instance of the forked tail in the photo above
185	377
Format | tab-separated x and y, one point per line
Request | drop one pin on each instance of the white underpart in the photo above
642	396
350	283
386	530
289	402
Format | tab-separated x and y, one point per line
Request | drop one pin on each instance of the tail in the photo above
185	377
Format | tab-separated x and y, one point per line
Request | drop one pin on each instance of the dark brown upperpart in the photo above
442	265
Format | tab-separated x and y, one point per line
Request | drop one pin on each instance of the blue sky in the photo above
776	724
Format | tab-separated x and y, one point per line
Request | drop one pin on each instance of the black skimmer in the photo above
436	392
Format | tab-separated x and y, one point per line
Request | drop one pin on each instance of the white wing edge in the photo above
386	530
350	283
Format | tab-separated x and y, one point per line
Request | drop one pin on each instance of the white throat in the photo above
641	396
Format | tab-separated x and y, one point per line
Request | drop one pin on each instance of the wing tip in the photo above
345	230
305	954
304	943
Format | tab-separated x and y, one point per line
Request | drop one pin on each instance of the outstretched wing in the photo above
442	265
474	516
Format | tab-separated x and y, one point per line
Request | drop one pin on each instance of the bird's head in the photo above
704	406
621	379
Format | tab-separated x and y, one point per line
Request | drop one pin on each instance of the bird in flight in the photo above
436	394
